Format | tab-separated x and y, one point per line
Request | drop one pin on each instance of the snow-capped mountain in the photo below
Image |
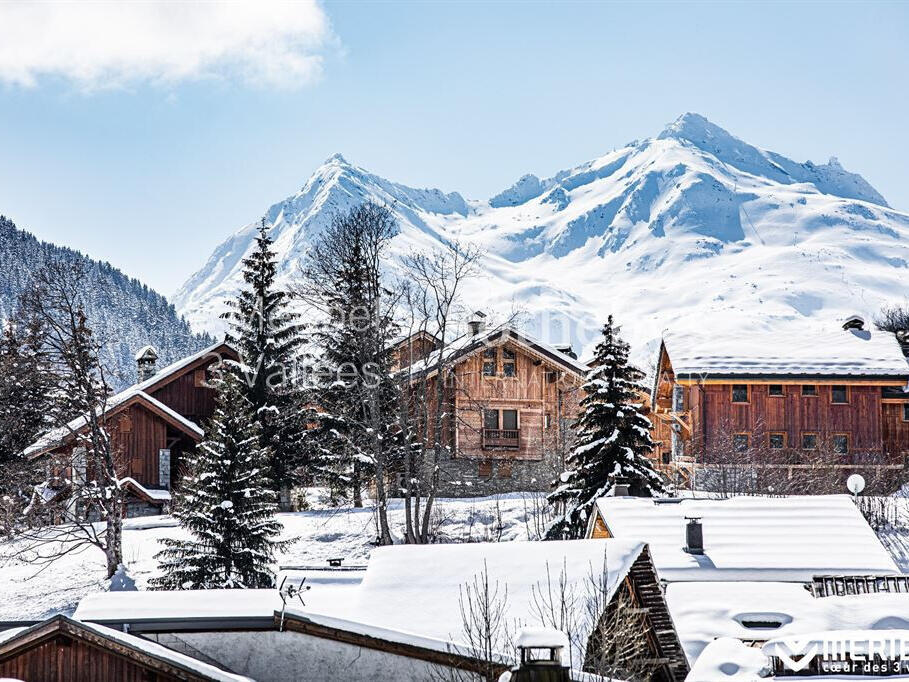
691	230
123	313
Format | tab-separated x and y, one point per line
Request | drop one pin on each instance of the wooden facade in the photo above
707	419
509	398
162	416
64	650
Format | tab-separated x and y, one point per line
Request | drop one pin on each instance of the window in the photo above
485	469
777	441
509	420
509	365
489	362
775	390
809	390
894	392
491	419
809	441
504	469
840	443
740	393
740	442
906	412
839	394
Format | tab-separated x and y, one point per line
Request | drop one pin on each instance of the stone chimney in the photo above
146	359
477	323
541	651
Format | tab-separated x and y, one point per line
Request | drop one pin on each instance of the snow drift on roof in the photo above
746	610
790	351
118	607
752	538
417	589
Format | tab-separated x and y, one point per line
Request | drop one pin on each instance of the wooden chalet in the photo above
512	398
153	425
782	397
61	649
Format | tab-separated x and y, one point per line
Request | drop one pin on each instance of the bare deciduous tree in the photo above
83	495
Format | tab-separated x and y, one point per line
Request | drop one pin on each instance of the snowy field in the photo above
29	593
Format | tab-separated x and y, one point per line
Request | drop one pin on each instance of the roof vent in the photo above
477	323
146	359
567	350
854	322
694	536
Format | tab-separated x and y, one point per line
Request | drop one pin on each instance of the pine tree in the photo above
25	386
268	337
226	503
613	439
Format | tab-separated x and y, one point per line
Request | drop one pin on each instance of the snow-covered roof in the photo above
146	352
157	494
789	352
211	605
139	644
56	436
468	344
743	610
416	589
752	538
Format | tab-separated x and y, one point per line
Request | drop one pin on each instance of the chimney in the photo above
856	322
567	350
694	536
145	363
621	486
477	323
541	651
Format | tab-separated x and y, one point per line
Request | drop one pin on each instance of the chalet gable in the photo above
469	346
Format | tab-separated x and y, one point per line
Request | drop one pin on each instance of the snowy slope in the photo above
123	312
691	230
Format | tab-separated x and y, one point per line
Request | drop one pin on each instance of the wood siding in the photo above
62	659
184	396
895	429
538	389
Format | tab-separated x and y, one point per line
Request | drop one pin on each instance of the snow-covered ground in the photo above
27	592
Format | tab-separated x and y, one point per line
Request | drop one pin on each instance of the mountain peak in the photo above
337	158
694	128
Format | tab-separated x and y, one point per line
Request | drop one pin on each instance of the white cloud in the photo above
111	44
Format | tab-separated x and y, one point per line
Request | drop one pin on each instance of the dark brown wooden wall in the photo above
895	430
715	417
63	659
196	403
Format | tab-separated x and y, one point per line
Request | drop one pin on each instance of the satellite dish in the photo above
855	483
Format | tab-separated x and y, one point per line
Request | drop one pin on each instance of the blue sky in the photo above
150	165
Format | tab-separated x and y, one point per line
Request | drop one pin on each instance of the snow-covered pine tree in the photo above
613	439
226	503
269	337
25	386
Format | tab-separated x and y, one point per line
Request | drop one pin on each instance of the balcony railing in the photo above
501	438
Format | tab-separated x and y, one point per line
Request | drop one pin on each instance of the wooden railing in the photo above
501	438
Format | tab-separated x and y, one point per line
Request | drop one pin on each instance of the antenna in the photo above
291	588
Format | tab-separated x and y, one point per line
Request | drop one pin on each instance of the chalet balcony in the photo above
508	439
